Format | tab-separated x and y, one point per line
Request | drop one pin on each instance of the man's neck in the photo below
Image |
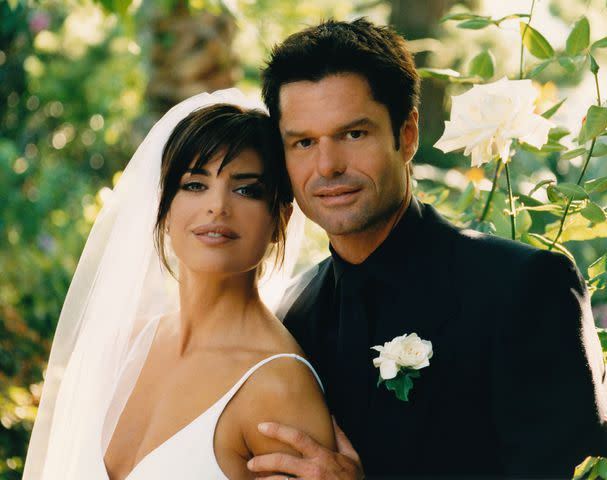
355	248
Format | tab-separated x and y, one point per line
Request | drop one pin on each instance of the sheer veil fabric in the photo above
118	287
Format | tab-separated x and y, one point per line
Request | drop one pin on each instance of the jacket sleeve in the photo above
549	380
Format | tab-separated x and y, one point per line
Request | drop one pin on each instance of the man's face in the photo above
340	152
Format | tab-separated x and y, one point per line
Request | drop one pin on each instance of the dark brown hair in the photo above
376	52
221	128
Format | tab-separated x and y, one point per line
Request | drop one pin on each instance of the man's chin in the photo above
342	226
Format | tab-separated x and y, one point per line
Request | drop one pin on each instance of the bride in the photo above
151	377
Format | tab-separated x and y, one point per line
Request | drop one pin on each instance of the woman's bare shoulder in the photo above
285	390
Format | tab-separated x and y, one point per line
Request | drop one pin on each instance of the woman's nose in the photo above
218	202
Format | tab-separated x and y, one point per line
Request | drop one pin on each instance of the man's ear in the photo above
409	136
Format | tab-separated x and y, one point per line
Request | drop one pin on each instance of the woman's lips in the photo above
215	234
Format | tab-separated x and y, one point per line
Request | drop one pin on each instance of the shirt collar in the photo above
381	263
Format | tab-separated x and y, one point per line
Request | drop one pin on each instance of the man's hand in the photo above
316	462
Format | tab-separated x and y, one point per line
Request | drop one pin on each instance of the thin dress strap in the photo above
228	396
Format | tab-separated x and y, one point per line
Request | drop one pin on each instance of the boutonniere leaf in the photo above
399	362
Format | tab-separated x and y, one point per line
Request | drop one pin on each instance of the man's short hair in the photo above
376	52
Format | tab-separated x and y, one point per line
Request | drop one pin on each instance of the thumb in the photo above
343	444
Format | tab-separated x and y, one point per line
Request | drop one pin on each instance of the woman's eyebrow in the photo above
234	176
198	171
246	176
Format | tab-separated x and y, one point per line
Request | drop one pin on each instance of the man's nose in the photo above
329	163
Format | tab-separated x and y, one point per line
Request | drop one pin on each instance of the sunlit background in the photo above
81	83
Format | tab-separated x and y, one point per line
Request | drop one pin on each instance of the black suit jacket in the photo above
517	384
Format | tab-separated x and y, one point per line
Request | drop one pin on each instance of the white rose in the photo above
406	351
486	118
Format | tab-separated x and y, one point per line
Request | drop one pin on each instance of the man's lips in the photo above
335	191
336	196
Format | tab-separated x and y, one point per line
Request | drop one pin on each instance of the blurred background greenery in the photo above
81	82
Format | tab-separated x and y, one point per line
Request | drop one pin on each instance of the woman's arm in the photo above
285	391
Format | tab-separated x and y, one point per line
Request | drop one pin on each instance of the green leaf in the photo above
583	468
602	332
596	185
552	110
535	42
593	285
548	207
573	153
568	64
600	149
512	16
442	73
540	185
116	6
577	228
460	16
579	38
483	227
552	147
554	195
571	190
556	133
475	23
544	243
466	198
523	221
598	267
539	68
402	384
594	67
13	4
602	43
594	213
602	468
596	123
483	65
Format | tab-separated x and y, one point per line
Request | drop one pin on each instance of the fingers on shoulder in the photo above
286	391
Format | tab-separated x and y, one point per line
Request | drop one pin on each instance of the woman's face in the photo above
221	222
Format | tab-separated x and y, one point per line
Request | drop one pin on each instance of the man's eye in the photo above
303	143
355	134
193	186
255	191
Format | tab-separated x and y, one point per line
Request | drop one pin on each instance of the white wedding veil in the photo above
117	288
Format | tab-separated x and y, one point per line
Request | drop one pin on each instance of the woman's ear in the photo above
167	222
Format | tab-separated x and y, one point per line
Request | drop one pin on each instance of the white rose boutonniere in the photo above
399	362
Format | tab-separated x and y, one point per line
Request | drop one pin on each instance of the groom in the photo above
516	385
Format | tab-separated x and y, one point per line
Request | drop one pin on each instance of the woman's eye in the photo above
355	134
255	191
193	186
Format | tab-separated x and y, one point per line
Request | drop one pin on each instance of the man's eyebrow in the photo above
358	122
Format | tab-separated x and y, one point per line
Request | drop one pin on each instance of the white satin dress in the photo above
189	453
